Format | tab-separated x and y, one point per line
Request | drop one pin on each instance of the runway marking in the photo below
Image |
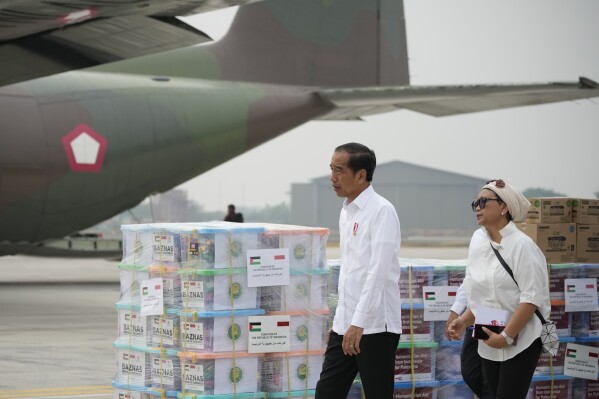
55	393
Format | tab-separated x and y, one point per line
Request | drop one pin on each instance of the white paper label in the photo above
193	334
581	361
268	267
192	294
438	301
163	372
132	324
194	377
162	331
132	365
580	294
152	300
269	334
163	247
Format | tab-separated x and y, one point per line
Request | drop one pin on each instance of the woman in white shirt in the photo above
509	358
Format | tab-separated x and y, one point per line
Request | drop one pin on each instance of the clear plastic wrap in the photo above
198	347
428	364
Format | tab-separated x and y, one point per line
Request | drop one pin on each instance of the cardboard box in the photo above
556	240
585	211
587	243
550	210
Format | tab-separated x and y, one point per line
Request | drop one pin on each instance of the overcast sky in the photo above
554	146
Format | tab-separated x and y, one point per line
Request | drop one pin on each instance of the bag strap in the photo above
509	271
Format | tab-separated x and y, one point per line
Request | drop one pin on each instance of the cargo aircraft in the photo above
103	103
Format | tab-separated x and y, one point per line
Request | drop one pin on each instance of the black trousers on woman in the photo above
511	378
471	367
375	362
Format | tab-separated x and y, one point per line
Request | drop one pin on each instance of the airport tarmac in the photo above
58	323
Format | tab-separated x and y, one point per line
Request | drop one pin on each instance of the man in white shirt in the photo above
367	321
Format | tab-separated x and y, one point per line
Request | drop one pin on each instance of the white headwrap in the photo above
516	202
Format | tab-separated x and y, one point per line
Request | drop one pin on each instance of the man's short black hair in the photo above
360	157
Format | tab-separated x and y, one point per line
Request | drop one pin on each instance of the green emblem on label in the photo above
235	375
302	333
301	290
235	247
235	290
575	203
537	203
302	372
234	332
299	252
568	203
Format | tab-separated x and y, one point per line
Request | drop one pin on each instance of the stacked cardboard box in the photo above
549	224
566	229
585	213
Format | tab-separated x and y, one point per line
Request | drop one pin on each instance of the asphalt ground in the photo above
58	323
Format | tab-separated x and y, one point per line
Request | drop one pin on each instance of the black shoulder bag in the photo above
549	336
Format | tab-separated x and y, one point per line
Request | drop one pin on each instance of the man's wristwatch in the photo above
508	340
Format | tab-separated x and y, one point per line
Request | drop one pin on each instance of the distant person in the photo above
233	216
509	358
367	321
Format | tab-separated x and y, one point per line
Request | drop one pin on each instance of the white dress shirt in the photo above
488	284
369	276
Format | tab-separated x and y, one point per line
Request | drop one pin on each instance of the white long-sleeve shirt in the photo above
461	300
488	284
370	238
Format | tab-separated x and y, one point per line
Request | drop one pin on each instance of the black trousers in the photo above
471	367
511	378
375	362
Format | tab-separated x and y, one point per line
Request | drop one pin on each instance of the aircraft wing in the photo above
40	38
352	103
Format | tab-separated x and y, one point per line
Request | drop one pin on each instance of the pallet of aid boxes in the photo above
567	231
302	304
197	346
152	344
426	363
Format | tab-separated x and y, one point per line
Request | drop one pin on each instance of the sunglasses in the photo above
482	202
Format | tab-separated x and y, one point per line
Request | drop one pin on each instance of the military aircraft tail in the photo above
316	43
